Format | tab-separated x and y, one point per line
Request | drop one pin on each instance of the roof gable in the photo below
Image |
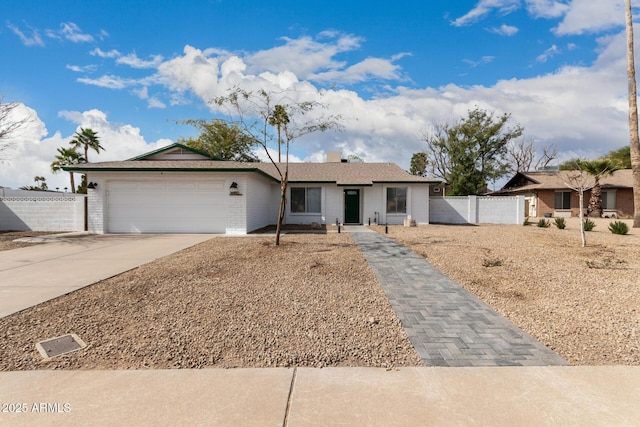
175	151
559	180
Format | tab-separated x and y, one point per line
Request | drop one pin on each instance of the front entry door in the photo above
352	206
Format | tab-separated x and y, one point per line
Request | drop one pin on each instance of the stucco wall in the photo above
262	202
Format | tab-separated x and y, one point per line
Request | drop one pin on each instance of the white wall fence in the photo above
476	210
41	211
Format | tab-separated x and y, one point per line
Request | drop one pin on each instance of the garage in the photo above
166	207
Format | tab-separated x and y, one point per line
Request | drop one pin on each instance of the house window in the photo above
608	200
306	200
563	200
396	200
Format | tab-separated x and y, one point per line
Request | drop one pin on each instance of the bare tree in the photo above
256	111
634	139
8	125
580	181
523	155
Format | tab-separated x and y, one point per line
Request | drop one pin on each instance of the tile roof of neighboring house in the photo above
340	173
532	181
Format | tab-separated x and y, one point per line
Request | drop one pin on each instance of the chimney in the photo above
334	157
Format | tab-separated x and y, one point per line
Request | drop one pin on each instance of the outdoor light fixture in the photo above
92	185
233	189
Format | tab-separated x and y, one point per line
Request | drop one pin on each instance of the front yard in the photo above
240	302
584	303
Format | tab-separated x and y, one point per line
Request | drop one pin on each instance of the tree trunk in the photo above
594	209
581	216
283	194
73	183
634	140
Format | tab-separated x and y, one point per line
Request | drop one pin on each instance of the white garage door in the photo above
166	207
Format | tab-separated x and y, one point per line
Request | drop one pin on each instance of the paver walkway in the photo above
447	325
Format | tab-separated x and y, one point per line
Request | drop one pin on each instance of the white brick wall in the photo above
474	210
42	213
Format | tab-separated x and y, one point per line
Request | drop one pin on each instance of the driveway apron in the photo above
447	325
32	275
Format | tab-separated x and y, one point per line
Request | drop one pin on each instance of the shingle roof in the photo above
339	173
558	180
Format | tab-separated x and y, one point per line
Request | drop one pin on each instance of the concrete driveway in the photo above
31	275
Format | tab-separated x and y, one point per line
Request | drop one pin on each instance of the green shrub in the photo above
560	223
526	221
618	227
589	225
543	223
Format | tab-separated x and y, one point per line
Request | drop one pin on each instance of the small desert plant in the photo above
560	223
607	264
526	221
543	223
491	262
618	227
589	225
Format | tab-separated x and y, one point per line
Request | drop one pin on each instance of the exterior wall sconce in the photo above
92	185
233	189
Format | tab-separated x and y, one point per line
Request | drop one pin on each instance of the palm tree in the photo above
279	118
66	157
86	138
598	169
634	139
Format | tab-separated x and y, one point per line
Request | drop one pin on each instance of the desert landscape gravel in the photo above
229	302
584	303
240	302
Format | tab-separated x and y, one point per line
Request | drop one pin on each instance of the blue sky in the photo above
130	70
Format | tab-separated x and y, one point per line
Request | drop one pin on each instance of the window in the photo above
306	200
396	200
608	200
563	200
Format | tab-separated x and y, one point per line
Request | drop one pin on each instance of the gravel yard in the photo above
582	302
240	302
7	238
228	302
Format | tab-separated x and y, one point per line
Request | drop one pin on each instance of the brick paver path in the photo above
447	325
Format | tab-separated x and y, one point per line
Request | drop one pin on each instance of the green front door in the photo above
352	206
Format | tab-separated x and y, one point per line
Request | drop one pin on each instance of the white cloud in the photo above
72	32
547	8
133	61
113	53
551	52
109	82
505	30
370	68
82	69
584	16
154	102
485	7
483	60
33	40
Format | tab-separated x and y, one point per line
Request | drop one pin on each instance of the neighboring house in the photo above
177	189
548	193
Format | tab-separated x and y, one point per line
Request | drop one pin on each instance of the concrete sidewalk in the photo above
480	396
31	275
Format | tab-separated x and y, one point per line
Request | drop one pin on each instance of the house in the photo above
548	193
177	189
